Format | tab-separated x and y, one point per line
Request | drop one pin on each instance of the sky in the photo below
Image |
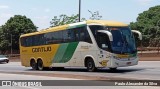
41	12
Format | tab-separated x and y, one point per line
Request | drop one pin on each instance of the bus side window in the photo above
58	37
23	41
65	36
81	34
71	35
84	35
29	41
87	36
77	34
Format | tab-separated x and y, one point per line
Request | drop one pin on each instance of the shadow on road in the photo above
104	70
3	63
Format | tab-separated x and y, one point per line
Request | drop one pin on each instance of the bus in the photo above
92	44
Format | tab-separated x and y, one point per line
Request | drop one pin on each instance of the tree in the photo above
12	30
3	42
64	19
148	23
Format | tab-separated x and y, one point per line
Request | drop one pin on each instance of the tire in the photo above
40	65
90	65
7	61
33	64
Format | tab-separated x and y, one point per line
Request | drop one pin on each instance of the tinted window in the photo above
94	29
71	35
101	38
103	41
65	36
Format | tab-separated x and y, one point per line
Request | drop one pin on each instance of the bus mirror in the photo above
139	34
108	33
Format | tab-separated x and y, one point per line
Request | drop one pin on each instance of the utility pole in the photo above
79	10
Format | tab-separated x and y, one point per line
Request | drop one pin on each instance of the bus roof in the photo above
88	22
107	23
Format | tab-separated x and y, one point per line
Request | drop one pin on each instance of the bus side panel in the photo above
38	52
64	54
25	56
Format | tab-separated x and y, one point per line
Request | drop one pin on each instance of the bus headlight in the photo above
115	57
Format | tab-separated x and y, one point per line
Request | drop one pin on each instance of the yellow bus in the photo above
92	44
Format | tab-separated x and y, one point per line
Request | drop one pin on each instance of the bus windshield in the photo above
123	40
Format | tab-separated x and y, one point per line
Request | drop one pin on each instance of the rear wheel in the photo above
90	65
40	64
33	64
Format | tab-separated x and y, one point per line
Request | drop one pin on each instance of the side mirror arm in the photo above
108	33
139	34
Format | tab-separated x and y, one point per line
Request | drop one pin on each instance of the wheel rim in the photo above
33	65
90	65
40	65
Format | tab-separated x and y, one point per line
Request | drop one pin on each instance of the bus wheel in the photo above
90	65
40	64
33	64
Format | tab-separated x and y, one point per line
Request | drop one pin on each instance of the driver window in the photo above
103	41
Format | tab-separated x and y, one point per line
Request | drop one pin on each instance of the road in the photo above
144	70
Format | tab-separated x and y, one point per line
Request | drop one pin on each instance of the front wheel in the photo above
90	65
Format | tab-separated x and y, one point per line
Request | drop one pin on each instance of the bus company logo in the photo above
42	49
6	83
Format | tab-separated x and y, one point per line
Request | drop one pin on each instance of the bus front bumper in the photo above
123	62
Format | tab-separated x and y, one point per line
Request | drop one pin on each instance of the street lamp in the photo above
79	10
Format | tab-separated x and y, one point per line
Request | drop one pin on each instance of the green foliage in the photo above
148	23
13	28
64	19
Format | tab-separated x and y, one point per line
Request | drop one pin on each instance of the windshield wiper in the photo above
125	43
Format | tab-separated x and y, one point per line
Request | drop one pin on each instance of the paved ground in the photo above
144	70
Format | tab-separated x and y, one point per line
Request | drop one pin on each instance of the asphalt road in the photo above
144	70
148	70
